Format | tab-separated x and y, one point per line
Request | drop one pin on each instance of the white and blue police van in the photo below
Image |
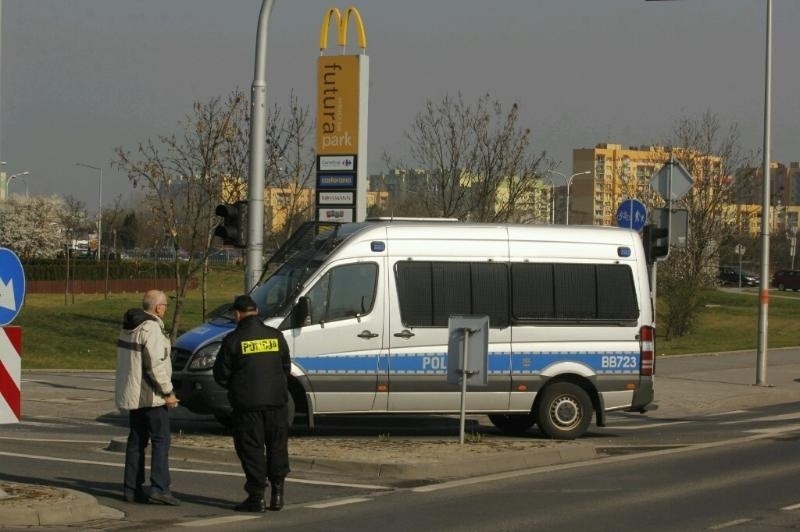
365	307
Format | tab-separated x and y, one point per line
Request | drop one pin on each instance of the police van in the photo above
365	307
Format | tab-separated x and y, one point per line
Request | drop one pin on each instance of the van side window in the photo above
430	292
573	292
343	292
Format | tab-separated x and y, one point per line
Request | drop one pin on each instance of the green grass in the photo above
728	321
83	335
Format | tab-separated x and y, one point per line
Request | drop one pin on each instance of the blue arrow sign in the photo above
632	213
12	286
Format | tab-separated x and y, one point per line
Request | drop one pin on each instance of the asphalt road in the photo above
718	451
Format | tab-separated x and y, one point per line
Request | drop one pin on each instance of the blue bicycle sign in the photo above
632	214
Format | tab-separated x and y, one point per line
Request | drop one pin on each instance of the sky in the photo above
82	77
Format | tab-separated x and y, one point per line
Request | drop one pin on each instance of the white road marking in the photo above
735	522
727	413
775	430
49	440
781	417
791	507
340	502
199	471
213	521
646	426
575	465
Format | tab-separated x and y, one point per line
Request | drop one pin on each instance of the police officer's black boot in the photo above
253	503
276	497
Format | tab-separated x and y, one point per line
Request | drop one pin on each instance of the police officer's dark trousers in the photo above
261	439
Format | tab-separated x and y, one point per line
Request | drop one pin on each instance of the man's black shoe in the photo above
253	503
164	498
276	498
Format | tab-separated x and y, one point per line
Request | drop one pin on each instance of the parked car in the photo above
786	279
729	276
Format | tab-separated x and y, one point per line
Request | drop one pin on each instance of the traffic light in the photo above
656	242
233	227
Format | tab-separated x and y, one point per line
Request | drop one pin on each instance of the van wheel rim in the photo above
565	412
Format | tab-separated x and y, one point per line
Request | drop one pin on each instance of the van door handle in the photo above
405	333
367	334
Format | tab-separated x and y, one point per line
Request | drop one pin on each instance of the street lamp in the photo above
100	206
568	181
763	306
13	176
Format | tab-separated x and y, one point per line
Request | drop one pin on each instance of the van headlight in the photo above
205	357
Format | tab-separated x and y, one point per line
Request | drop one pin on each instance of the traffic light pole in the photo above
254	258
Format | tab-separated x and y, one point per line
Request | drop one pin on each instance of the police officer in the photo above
253	364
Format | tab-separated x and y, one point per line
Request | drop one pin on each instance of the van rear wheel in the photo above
564	411
513	424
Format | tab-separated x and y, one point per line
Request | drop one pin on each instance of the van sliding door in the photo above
423	295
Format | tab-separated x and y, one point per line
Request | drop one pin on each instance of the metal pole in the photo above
463	387
740	270
100	206
100	218
763	307
569	182
1	85
254	257
653	285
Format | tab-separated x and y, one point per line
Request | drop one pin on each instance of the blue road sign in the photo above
632	213
12	286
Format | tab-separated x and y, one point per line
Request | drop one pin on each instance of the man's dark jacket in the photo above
253	363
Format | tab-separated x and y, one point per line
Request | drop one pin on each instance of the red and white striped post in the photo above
10	374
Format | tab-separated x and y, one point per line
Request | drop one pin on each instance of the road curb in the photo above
499	462
50	506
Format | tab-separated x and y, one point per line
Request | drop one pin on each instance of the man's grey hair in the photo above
152	299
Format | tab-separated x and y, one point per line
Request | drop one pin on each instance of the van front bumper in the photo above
200	393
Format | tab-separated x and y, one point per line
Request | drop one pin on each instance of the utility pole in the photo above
254	258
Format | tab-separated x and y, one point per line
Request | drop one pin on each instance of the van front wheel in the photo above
513	424
565	411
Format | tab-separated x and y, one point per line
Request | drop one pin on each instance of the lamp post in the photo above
763	289
13	176
568	181
99	206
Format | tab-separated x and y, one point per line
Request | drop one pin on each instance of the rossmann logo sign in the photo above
339	86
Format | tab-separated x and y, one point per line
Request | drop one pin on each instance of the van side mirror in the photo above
301	313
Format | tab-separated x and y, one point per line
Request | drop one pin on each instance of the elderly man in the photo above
144	390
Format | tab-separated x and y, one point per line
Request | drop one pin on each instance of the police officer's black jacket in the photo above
253	363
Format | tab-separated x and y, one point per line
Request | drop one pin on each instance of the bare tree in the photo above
476	160
291	162
183	178
712	155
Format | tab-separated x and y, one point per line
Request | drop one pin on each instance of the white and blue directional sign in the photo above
632	213
12	286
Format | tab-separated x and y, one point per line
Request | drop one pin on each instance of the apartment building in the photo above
615	173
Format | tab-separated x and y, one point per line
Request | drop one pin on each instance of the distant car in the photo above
786	280
729	276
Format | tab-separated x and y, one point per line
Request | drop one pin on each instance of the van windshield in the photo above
274	295
299	258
